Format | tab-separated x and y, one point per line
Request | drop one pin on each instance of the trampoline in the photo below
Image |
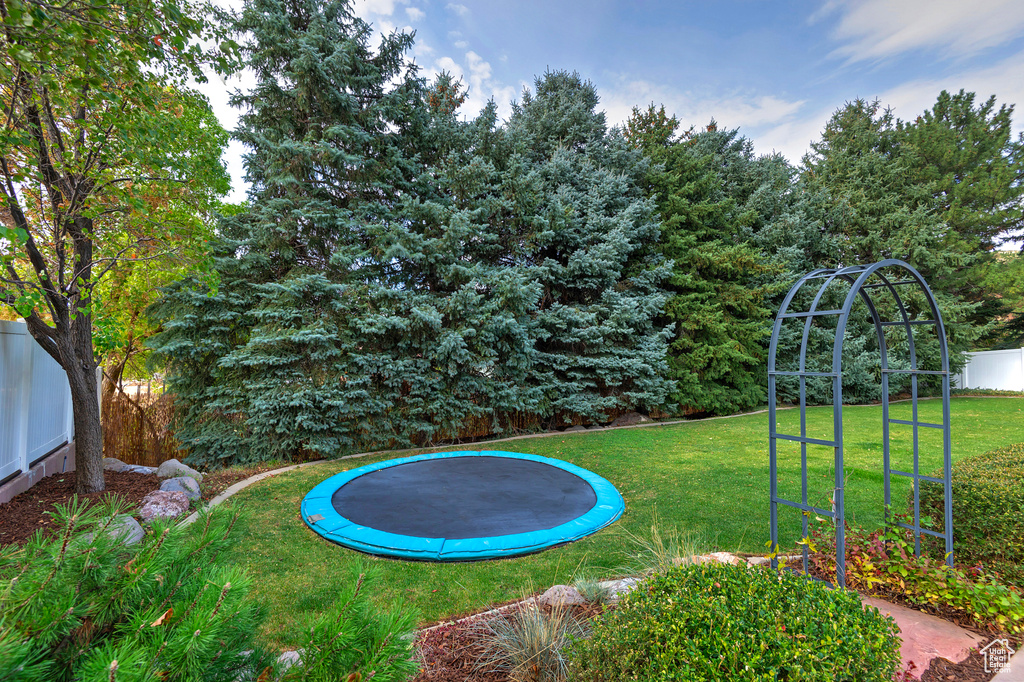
461	506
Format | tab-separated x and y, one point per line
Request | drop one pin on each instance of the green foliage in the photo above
81	605
884	560
701	182
108	161
92	608
1004	278
451	276
593	590
719	622
530	643
590	247
939	192
352	639
988	512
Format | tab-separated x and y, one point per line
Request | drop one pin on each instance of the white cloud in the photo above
415	14
876	29
461	44
385	8
476	74
455	7
1004	79
739	110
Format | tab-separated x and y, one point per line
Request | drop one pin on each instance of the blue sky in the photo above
776	70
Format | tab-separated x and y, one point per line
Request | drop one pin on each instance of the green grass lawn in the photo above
707	477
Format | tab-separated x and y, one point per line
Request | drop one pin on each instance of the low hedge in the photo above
718	622
988	512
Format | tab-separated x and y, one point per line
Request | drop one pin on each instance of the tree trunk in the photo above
88	429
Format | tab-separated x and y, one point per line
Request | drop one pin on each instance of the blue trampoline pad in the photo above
461	506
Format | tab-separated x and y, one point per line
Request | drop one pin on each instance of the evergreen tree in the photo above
588	237
359	302
702	183
82	605
868	171
967	158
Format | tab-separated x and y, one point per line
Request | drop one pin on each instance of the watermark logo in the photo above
997	656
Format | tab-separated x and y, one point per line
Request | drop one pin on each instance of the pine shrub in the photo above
82	605
719	622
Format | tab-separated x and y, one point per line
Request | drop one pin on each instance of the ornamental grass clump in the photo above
716	622
80	604
529	644
593	590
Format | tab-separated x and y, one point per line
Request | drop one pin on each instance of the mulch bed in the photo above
453	652
972	669
26	513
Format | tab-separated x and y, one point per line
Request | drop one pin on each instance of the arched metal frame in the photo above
857	276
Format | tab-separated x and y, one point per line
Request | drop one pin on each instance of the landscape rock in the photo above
113	464
630	419
126	529
288	659
172	468
139	469
620	587
573	429
925	637
561	595
182	484
764	560
720	558
162	504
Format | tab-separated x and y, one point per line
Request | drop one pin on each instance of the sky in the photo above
775	69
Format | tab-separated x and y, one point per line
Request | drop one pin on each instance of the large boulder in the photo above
163	504
126	529
139	469
113	464
561	595
630	419
182	484
123	528
172	468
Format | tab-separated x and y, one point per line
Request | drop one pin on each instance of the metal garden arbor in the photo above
887	277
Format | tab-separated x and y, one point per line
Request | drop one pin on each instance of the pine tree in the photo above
587	234
356	305
866	168
83	605
702	183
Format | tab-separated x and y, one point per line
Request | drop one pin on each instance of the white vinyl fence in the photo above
1001	370
35	401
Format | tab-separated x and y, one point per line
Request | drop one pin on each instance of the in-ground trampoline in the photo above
461	506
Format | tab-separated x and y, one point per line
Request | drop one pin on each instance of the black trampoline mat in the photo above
464	497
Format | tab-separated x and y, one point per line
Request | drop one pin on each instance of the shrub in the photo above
81	605
884	560
718	622
988	512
